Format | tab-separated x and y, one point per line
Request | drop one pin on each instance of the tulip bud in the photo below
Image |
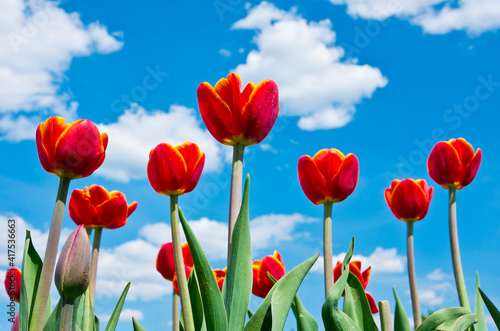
73	267
13	283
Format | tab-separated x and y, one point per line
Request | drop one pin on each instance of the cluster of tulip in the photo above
218	299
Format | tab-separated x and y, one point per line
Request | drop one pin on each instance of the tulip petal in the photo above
464	150
471	170
328	162
311	180
372	303
131	208
195	161
229	90
47	135
113	213
81	210
98	195
366	277
166	169
345	182
444	165
165	261
186	255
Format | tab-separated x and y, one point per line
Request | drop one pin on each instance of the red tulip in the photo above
364	278
165	260
175	170
220	275
409	199
329	176
453	163
95	207
73	150
15	324
262	284
235	117
174	281
13	283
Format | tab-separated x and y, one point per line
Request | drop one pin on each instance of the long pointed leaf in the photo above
479	310
239	277
196	303
54	319
115	316
137	326
400	320
464	322
495	314
445	319
305	321
213	306
356	304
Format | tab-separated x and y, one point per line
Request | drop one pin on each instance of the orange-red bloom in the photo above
329	176
453	163
73	150
165	260
95	207
220	275
262	284
409	199
235	117
364	278
175	170
13	283
175	282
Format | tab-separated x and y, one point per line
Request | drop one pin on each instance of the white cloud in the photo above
225	52
434	16
268	148
438	275
430	297
125	316
301	57
38	41
382	260
137	131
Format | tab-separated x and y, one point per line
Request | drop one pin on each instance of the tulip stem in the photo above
187	314
327	248
175	312
385	315
455	250
417	317
49	261
95	257
236	188
66	322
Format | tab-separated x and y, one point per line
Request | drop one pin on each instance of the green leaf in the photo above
333	318
115	316
464	323
137	326
196	303
88	317
286	288
262	319
250	313
53	321
479	310
356	304
213	306
447	319
237	288
30	276
400	320
495	314
305	321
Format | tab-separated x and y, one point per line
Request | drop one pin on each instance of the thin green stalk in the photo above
417	317
236	189
455	251
95	258
175	311
66	322
327	247
49	261
385	315
187	314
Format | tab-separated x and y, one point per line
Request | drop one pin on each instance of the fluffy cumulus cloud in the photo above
301	57
137	131
434	16
37	44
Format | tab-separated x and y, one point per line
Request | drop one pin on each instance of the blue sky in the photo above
382	79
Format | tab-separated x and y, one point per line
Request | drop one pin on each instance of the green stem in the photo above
236	188
66	322
385	315
175	312
187	314
95	257
49	261
417	317
327	248
455	250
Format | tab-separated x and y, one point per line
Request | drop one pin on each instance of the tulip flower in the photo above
238	118
175	170
73	150
175	280
262	284
409	200
165	260
453	163
69	151
326	178
220	275
13	283
364	278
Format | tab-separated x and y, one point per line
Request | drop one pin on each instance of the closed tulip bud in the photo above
262	284
73	267
13	283
409	199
